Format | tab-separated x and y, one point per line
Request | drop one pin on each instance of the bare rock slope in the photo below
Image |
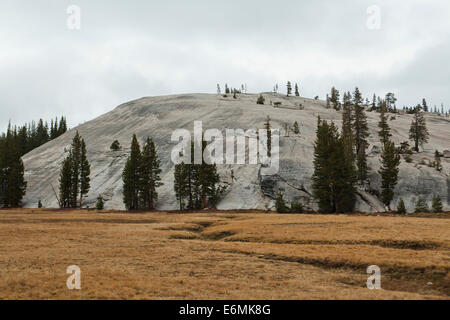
157	117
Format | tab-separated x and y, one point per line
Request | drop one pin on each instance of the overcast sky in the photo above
129	49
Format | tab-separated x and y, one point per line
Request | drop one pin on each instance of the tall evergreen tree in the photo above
390	160
297	93
289	88
424	105
421	206
334	99
269	136
85	171
76	168
437	204
361	133
347	125
181	183
149	175
12	182
131	175
385	130
296	128
74	180
65	183
334	174
418	131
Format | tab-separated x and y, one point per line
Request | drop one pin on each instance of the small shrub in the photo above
115	146
437	204
296	207
408	159
401	209
100	203
421	206
296	128
260	100
280	204
39	204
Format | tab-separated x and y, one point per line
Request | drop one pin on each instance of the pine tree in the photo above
74	180
269	136
12	182
421	206
65	183
335	98
334	174
289	88
85	171
100	205
437	161
149	175
280	204
130	177
390	102
76	168
418	131
204	181
424	105
181	183
347	124
401	209
115	146
297	93
39	204
260	100
389	172
437	204
296	128
385	130
361	133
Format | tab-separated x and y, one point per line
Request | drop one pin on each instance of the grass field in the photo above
221	255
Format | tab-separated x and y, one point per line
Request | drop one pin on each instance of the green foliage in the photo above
39	204
297	93
437	204
421	206
12	182
196	185
100	204
280	204
334	173
418	132
437	161
408	159
289	88
74	180
385	131
65	184
269	136
85	171
296	128
115	146
296	207
405	148
390	160
131	175
334	99
260	99
150	179
361	133
401	209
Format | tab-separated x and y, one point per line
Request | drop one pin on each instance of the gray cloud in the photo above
126	50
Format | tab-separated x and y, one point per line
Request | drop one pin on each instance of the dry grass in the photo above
221	255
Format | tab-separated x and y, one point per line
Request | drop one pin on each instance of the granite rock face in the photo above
158	117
